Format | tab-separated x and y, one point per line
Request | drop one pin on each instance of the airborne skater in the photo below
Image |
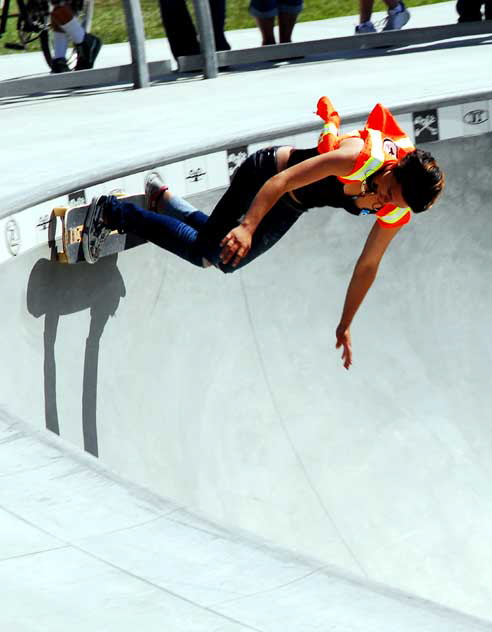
375	171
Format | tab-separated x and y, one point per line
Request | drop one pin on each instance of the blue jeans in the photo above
195	236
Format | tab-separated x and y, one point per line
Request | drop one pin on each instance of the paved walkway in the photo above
116	54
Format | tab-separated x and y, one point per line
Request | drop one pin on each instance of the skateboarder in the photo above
373	171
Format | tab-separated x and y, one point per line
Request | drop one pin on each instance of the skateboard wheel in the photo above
60	211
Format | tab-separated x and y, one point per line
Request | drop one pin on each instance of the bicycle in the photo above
33	22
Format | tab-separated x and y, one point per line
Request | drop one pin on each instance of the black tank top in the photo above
326	192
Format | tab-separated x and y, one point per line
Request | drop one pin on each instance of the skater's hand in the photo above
235	245
344	340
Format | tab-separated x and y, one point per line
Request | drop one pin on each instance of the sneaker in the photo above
365	27
396	18
154	190
59	65
87	51
95	231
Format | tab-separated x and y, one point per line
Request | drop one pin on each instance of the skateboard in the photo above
72	220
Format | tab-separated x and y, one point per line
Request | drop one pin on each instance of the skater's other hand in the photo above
235	245
344	340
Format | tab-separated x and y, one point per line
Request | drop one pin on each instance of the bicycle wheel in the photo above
32	20
84	12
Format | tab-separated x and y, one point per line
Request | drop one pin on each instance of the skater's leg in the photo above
163	231
271	229
160	199
177	207
235	202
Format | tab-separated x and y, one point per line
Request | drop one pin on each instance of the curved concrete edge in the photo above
208	165
97	173
82	549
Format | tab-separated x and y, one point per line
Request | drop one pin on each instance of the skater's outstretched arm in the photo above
364	273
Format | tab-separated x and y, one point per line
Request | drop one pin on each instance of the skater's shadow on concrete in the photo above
56	290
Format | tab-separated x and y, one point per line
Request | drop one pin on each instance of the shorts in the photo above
75	5
271	8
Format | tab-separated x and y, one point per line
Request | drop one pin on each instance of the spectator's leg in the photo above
286	23
266	26
218	11
391	4
488	9
65	25
469	10
60	48
179	28
63	19
88	46
397	16
365	10
288	11
265	12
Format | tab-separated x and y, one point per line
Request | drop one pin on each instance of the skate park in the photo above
182	449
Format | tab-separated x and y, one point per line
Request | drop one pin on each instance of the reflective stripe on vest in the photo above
329	128
395	216
374	161
405	143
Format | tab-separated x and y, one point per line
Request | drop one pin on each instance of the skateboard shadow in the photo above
56	290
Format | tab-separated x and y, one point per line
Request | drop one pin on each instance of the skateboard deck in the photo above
72	220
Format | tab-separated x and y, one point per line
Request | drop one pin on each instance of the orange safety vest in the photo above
384	143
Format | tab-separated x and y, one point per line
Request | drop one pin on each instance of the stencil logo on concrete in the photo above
426	125
235	157
195	175
12	237
43	222
476	117
77	198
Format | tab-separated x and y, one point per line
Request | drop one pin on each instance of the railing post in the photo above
136	38
207	40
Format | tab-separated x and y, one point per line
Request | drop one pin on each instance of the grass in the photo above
109	19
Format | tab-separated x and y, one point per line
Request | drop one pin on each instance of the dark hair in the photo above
421	179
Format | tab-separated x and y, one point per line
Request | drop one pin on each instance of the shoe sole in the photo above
88	230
